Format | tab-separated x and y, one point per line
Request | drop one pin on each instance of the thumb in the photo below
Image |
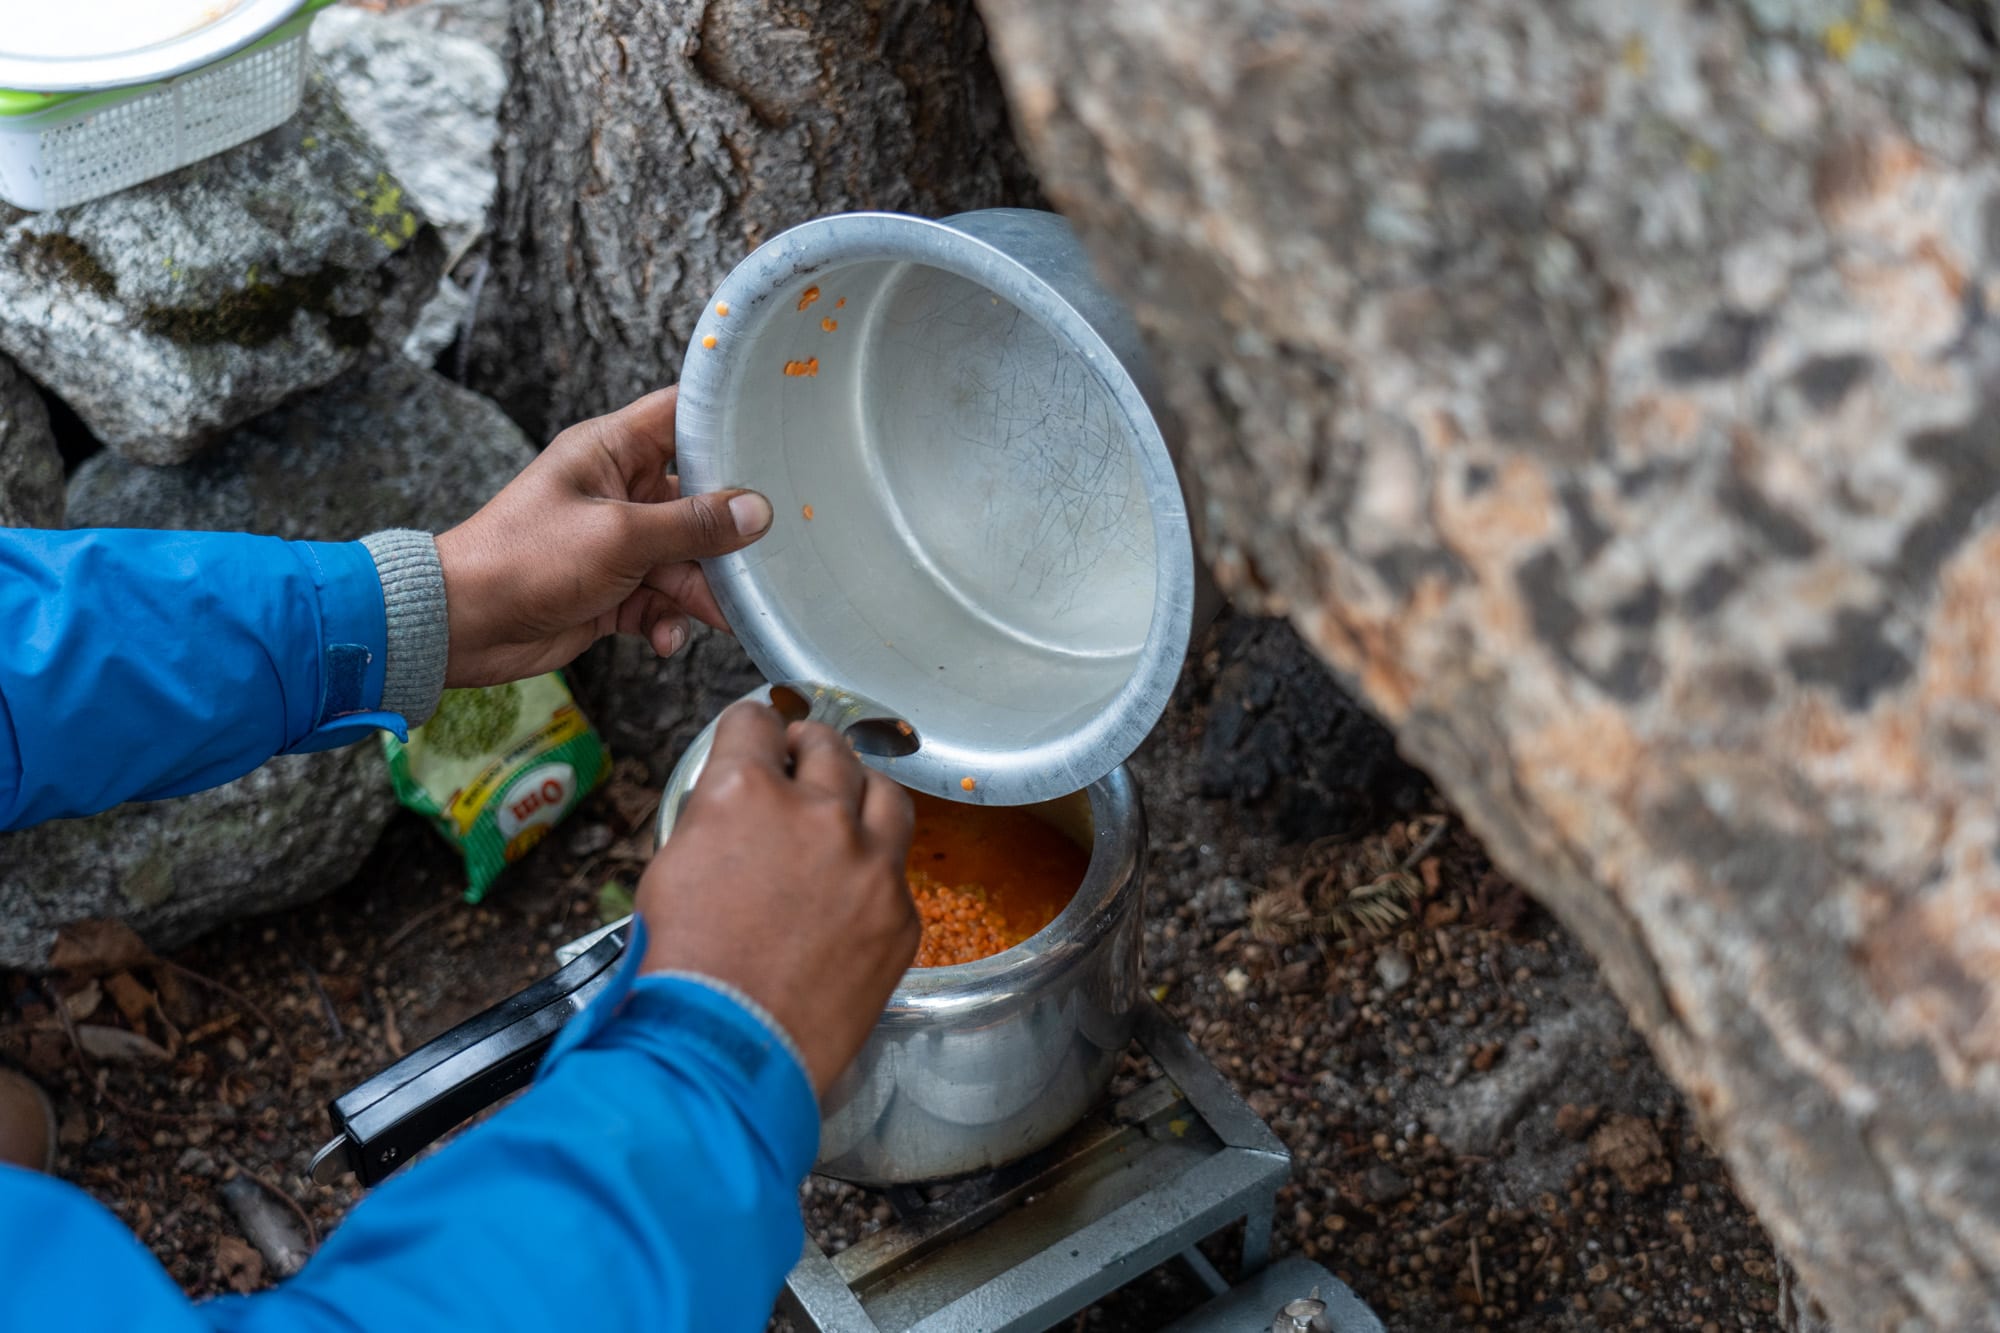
695	527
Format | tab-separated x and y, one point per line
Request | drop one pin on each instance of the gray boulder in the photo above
429	101
171	312
392	445
31	471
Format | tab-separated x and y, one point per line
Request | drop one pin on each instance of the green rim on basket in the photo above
14	102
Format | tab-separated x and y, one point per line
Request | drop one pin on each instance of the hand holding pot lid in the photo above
592	538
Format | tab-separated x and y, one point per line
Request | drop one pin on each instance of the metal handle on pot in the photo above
389	1119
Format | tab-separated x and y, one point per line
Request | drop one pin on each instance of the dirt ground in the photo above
1479	1140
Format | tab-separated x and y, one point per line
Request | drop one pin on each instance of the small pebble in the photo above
1393	966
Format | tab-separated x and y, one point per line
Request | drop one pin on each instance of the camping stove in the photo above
1136	1183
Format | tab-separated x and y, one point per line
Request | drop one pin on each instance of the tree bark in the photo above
647	147
1610	391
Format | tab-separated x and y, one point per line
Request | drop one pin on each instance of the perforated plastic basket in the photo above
58	149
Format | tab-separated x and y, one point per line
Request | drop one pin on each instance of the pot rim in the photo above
780	646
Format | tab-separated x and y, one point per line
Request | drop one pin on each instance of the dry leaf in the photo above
82	1002
1629	1147
632	794
241	1267
118	1046
634	849
392	1034
97	946
48	1054
1443	914
177	1000
74	1131
133	1000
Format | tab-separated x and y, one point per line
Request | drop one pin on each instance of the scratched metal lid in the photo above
980	529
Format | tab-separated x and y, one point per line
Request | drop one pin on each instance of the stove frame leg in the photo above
1258	1224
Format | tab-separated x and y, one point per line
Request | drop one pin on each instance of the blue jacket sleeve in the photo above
136	665
648	1181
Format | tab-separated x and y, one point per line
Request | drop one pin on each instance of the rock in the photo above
1285	738
390	446
482	21
438	323
590	839
1481	1111
428	100
31	468
1384	1184
1609	391
170	312
1223	901
1393	968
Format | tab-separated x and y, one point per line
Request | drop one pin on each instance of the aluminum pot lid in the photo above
980	530
86	45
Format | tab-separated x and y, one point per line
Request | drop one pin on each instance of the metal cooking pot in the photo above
969	1067
974	1065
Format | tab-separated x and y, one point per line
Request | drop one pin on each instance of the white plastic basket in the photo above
59	150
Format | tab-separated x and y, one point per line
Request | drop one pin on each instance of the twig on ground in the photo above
325	1001
236	996
1430	840
415	924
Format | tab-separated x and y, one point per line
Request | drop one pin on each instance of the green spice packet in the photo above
496	768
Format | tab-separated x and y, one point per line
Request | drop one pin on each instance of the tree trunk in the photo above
1612	392
647	147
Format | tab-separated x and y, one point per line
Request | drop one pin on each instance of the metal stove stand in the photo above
1021	1249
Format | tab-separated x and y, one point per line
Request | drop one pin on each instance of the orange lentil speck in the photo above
812	294
807	367
841	302
808	512
708	340
722	307
967	783
829	324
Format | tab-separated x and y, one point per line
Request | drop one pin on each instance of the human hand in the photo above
592	538
789	887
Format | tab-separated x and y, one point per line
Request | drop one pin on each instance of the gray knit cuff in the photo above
419	639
